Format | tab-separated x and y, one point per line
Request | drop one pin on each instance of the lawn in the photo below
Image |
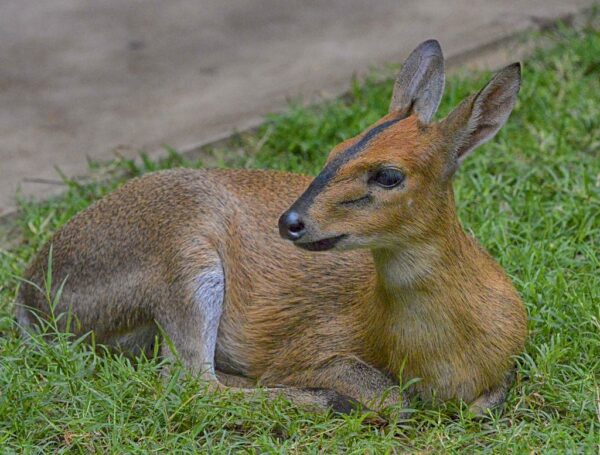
531	196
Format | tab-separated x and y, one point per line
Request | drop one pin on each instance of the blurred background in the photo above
83	79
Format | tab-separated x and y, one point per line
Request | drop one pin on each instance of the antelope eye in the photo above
388	177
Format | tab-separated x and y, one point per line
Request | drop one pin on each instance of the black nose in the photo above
291	226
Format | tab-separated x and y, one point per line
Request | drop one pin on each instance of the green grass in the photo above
532	197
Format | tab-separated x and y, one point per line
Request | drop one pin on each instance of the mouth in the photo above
320	245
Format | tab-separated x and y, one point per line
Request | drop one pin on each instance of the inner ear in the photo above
419	85
477	119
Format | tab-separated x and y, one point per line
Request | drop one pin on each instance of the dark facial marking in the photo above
329	171
363	199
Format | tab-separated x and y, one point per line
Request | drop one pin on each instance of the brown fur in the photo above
427	300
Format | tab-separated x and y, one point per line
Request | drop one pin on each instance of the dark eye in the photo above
388	177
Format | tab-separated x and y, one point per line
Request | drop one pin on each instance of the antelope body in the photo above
200	254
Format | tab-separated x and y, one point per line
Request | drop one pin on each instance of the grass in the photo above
532	196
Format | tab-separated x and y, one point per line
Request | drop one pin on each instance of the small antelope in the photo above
247	278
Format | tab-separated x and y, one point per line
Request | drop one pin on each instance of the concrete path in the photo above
81	78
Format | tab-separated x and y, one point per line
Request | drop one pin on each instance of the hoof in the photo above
340	404
375	420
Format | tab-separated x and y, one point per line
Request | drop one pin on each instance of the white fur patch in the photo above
404	268
208	297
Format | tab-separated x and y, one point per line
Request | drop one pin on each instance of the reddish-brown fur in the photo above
419	297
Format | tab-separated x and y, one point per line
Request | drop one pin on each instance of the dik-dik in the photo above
325	291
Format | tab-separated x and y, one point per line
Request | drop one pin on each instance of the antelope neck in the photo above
402	269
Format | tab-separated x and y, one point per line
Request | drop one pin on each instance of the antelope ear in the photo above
478	118
420	83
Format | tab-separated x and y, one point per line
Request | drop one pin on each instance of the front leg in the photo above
494	397
354	378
